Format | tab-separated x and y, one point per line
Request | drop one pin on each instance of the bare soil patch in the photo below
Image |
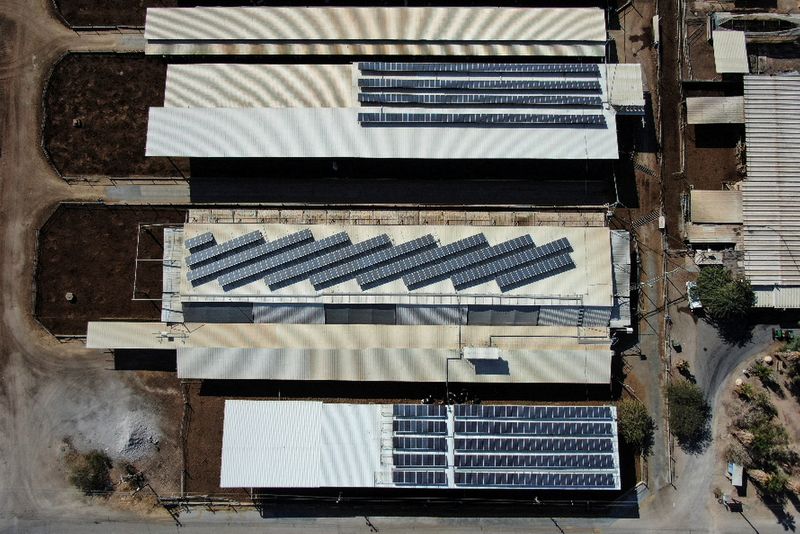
110	96
108	12
90	250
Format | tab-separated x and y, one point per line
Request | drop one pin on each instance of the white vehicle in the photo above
693	296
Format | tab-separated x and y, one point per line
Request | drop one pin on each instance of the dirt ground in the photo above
108	12
110	95
90	250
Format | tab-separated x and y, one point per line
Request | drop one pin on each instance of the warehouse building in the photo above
771	192
394	303
301	444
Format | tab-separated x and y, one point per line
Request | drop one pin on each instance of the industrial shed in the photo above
385	31
301	444
771	192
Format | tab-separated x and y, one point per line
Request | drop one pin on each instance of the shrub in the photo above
636	427
762	372
689	413
769	443
775	485
724	298
89	472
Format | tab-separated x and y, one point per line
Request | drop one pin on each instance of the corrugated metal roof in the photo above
568	364
171	305
716	207
277	447
771	192
588	284
715	110
730	52
712	233
336	133
375	30
621	265
624	84
781	297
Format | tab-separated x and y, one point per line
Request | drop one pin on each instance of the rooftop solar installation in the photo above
537	444
482	118
437	271
423	99
393	270
223	248
199	240
548	461
544	413
424	426
419	478
401	443
416	411
284	259
208	270
531	273
481	273
531	428
536	480
488	68
324	261
350	269
428	85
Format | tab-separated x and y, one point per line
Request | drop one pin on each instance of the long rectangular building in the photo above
387	110
384	31
301	444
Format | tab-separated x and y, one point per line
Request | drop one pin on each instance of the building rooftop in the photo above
730	52
715	110
458	31
301	444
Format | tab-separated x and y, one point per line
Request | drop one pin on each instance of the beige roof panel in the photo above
716	207
715	110
730	52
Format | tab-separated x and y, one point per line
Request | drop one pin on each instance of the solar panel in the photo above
531	273
481	273
352	268
324	261
478	411
419	460
437	271
481	118
228	262
534	444
419	478
527	428
477	99
279	260
223	248
489	68
395	269
589	86
416	411
419	426
199	240
535	480
419	444
533	461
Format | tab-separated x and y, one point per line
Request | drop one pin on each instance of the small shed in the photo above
730	52
736	474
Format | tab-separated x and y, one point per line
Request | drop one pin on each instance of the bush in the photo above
724	298
775	485
89	472
689	413
636	427
793	345
769	443
762	372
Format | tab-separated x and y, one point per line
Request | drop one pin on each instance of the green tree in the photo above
769	443
636	427
89	472
724	298
775	485
689	413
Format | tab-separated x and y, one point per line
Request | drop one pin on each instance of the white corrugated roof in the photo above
549	364
336	133
715	110
771	192
625	86
375	30
730	52
780	297
588	283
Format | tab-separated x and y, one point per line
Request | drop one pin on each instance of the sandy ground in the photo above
47	390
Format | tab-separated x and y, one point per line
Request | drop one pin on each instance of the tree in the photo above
688	413
724	298
775	485
89	472
636	427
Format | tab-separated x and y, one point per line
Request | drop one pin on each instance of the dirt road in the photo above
47	390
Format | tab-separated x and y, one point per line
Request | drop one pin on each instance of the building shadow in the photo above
145	360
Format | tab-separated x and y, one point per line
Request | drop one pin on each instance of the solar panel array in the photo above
478	274
478	99
393	270
350	269
489	68
433	85
438	271
284	259
223	248
207	270
531	273
483	118
495	446
199	240
317	263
